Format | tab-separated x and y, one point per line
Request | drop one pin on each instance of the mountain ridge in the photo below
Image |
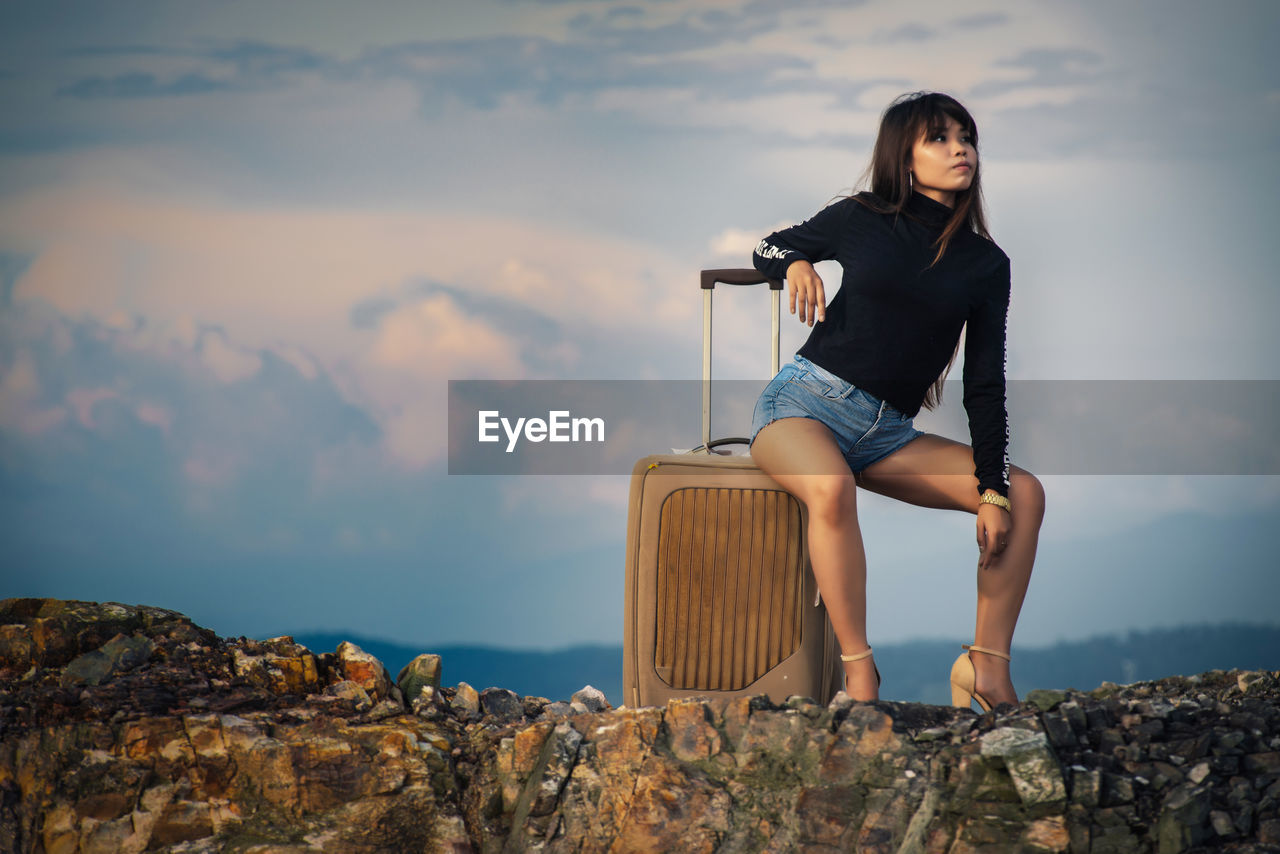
914	671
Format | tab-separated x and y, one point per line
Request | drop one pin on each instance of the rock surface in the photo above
130	729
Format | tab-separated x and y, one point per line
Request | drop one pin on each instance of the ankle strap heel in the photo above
964	678
858	656
996	653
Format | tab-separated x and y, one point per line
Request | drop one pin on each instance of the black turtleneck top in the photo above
894	323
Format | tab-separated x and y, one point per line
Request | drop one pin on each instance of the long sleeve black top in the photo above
894	323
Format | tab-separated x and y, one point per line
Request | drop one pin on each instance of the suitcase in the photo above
720	598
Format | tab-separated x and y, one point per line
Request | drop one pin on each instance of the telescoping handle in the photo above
741	276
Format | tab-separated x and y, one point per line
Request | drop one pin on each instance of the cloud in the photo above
165	481
1047	67
142	85
302	277
981	20
155	414
484	73
227	362
182	418
912	32
728	68
573	495
338	297
302	362
739	243
735	243
693	30
82	401
596	53
715	55
12	266
366	313
238	66
435	338
21	407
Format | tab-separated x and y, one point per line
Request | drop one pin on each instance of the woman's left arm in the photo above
984	402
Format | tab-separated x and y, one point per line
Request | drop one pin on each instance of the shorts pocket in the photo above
817	385
824	383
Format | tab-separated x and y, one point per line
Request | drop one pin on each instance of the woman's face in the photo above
943	161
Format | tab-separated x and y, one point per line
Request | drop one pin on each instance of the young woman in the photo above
918	268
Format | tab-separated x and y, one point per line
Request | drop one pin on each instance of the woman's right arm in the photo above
790	254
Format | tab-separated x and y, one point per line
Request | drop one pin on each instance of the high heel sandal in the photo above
964	678
866	653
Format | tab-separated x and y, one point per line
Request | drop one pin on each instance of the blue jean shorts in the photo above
866	428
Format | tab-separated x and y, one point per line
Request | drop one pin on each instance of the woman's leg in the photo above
935	472
802	456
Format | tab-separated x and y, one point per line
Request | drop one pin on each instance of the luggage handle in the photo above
735	276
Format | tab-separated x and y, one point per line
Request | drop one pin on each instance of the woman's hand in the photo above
804	286
994	525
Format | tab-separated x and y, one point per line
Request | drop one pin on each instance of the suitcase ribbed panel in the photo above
730	586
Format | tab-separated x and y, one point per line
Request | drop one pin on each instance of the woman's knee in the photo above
1026	493
830	498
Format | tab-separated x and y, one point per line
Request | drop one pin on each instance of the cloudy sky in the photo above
245	245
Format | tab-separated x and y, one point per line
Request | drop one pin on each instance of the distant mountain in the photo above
919	671
916	671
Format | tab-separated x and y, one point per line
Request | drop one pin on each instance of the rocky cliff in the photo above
129	729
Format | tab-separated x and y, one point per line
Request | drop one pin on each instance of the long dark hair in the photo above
905	122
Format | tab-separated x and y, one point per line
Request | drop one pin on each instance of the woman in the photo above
918	267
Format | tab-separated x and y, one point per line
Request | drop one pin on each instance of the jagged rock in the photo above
1045	700
1182	818
592	698
501	704
1269	832
51	632
840	704
559	754
1046	835
1254	679
206	744
1222	824
692	735
466	702
279	665
388	708
1032	765
558	709
116	655
422	671
353	692
533	706
429	703
364	669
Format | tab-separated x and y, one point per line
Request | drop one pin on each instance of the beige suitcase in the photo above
720	599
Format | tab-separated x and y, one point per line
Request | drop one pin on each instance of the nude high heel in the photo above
861	655
964	678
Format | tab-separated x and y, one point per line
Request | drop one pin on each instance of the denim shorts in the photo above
866	428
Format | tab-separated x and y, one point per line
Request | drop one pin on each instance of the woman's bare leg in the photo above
802	456
932	471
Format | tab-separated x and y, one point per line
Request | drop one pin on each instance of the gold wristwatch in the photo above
996	499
